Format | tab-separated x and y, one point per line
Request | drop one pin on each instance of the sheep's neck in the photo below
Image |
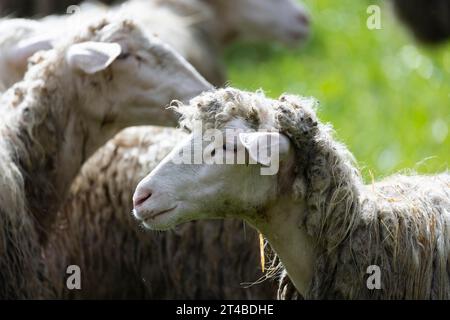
333	191
291	242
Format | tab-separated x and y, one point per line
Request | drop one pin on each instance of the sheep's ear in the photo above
91	57
20	53
264	147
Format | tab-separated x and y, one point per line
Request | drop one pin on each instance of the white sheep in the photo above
72	100
327	227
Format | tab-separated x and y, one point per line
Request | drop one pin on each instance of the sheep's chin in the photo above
163	222
294	39
157	227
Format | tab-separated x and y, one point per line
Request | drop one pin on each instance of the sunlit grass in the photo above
387	97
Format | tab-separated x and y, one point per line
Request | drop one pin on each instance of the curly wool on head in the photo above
214	109
400	224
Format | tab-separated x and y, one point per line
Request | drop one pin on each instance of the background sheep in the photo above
50	129
326	226
96	231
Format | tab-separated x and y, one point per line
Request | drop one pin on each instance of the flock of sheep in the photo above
74	91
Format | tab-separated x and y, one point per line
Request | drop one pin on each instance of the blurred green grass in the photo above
387	97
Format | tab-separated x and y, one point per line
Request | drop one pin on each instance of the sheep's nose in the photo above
140	197
303	19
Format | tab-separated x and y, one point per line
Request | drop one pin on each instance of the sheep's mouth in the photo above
159	213
299	35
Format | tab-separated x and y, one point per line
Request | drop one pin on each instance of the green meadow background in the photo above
387	97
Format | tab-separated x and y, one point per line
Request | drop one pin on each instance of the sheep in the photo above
302	190
285	22
95	231
50	128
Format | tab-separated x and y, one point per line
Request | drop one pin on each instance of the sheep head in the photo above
284	21
124	77
250	162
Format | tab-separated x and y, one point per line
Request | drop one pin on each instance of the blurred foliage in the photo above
387	97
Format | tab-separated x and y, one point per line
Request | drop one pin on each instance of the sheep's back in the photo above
404	230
